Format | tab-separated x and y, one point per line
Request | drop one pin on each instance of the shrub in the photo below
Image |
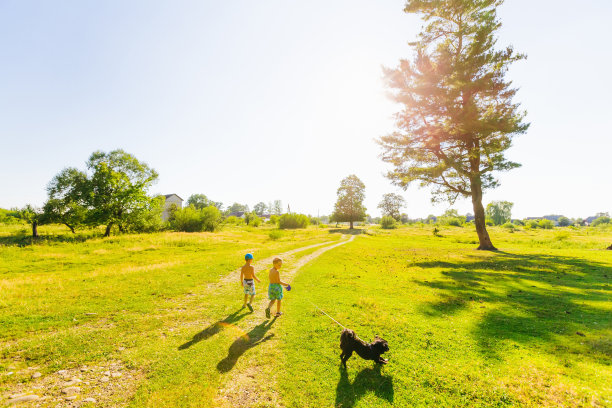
518	222
252	219
274	235
601	220
273	219
489	223
388	222
562	236
509	226
234	220
292	221
564	222
546	224
531	224
190	219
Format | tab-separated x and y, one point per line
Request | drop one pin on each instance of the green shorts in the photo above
275	291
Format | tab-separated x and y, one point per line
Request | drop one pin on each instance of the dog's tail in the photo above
345	336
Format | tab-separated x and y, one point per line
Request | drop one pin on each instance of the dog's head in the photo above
380	345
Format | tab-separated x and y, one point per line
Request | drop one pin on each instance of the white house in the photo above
171	200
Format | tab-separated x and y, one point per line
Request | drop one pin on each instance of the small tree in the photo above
260	208
32	216
236	207
564	222
349	206
278	207
68	195
391	205
499	212
117	188
458	117
200	201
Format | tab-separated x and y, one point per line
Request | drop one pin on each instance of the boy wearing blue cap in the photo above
247	275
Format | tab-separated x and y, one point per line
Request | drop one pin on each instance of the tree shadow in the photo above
346	231
214	328
21	239
528	299
243	343
367	380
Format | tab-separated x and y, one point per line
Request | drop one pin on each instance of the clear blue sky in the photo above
254	101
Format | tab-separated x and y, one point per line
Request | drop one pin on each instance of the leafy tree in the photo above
32	216
260	208
236	207
200	201
451	217
278	207
601	220
499	212
391	205
252	219
564	222
117	192
546	224
9	216
458	116
68	195
349	206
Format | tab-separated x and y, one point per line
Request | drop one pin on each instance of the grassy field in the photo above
155	320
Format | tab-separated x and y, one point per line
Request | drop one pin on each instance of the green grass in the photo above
465	328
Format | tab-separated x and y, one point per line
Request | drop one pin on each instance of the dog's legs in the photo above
346	356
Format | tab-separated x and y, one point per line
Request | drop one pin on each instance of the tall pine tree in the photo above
458	116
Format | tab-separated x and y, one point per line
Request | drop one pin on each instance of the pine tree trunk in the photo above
35	229
479	218
108	230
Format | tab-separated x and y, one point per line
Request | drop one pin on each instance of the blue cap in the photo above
248	257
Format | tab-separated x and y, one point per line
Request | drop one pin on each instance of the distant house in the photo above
239	214
171	200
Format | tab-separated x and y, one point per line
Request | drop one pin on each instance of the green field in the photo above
155	319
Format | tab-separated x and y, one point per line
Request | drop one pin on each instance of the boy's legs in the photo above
251	301
278	306
245	300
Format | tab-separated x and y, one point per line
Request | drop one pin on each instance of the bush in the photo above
252	219
274	235
273	219
564	222
509	226
546	224
292	221
601	220
531	224
388	222
190	219
489	223
234	220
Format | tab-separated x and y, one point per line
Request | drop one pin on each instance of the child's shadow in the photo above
214	329
244	343
368	379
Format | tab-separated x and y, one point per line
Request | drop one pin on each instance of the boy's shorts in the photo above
275	291
249	287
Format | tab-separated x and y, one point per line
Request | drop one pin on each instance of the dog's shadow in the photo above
214	329
367	380
243	343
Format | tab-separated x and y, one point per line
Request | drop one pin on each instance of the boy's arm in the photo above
255	277
241	274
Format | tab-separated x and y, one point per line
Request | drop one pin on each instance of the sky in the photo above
257	101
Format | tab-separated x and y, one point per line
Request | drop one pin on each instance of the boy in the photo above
247	274
275	289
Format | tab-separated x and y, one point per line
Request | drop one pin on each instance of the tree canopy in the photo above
391	205
499	212
349	206
458	115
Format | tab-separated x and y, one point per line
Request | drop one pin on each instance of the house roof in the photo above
170	195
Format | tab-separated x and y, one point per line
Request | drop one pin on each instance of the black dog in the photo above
349	342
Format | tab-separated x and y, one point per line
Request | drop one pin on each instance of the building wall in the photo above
169	202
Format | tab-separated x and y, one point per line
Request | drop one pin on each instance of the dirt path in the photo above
247	384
